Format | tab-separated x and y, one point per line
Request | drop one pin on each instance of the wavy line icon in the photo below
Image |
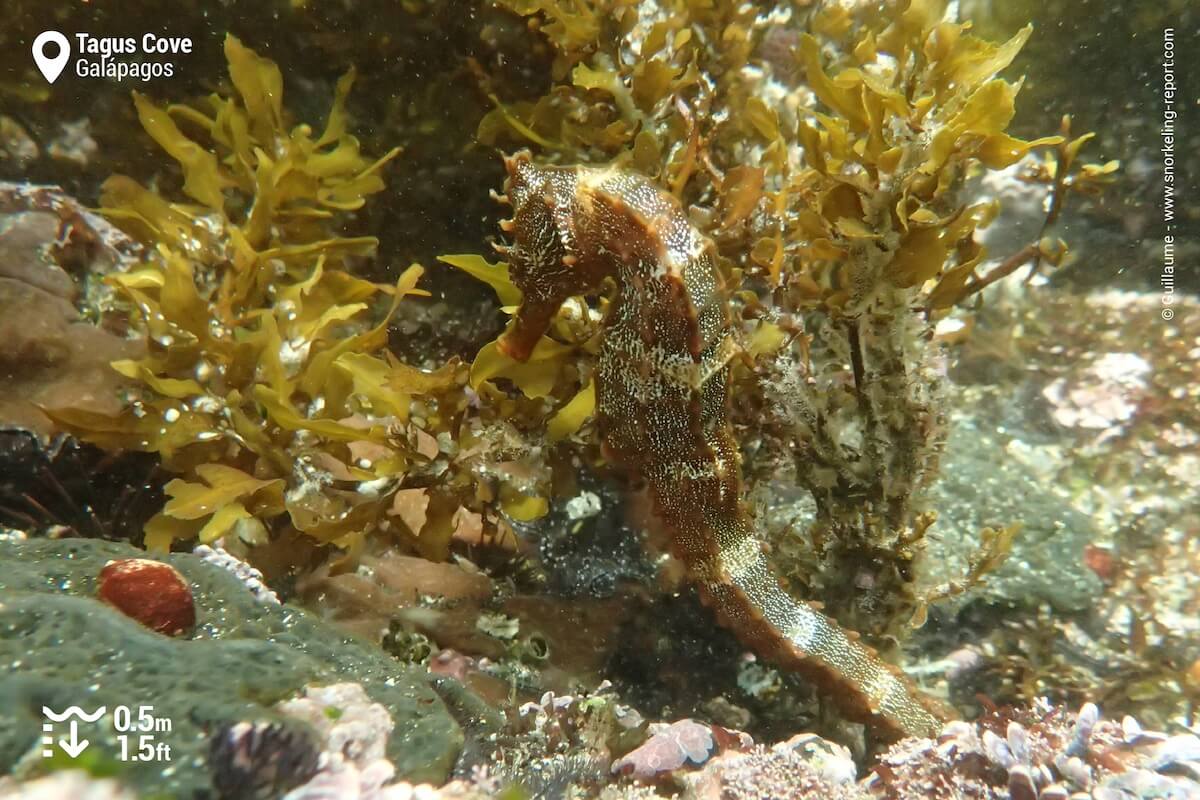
72	711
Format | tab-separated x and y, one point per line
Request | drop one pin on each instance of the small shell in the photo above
1074	770
1018	742
1021	785
997	750
1087	718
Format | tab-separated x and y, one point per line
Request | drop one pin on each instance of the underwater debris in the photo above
153	593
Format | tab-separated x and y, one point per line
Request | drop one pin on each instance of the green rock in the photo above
60	647
982	484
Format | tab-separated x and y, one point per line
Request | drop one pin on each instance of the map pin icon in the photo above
51	67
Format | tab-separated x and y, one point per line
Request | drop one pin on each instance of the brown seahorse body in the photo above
662	401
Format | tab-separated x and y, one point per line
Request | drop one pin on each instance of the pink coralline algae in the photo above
671	747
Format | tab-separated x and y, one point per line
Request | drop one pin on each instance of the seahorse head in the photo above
543	257
541	199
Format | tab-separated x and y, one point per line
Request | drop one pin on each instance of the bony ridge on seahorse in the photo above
662	406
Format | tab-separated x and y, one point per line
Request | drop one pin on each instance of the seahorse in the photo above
663	410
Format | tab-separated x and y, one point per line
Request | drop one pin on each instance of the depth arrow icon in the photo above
73	746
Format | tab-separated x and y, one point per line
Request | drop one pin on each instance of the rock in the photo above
353	732
27	241
50	359
74	143
349	723
1046	754
674	746
805	766
16	145
251	760
60	647
83	243
1104	397
73	783
51	249
982	484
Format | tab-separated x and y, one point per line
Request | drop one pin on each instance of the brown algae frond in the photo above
268	386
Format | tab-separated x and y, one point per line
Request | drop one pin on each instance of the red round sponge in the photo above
153	593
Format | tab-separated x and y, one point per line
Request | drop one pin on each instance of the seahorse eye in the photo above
534	233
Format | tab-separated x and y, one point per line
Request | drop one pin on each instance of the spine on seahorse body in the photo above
663	409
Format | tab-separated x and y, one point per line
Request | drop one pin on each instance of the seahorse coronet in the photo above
663	410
